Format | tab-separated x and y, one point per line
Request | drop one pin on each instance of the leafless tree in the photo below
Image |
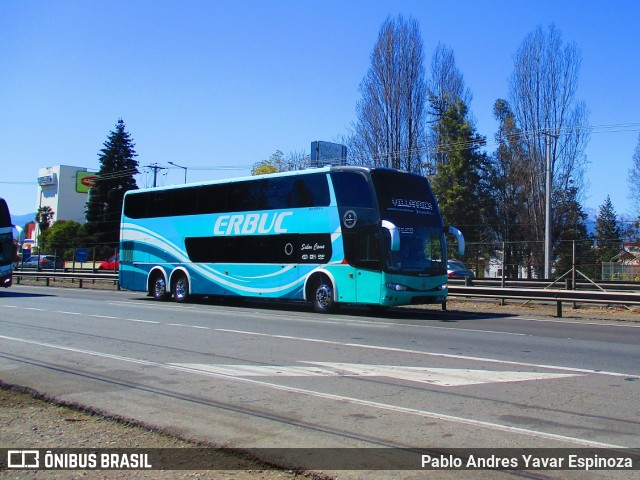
447	82
390	114
543	94
634	180
445	87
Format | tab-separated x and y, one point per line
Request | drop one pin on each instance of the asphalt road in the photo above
277	375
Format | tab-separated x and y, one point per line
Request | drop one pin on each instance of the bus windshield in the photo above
408	205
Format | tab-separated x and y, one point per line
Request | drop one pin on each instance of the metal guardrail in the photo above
479	289
548	295
581	284
80	278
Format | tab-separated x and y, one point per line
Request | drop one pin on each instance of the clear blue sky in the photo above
216	84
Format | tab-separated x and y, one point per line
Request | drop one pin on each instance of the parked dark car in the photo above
113	263
457	269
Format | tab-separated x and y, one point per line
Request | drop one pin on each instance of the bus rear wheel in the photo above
181	289
323	297
159	287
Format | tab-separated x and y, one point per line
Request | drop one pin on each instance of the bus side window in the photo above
352	190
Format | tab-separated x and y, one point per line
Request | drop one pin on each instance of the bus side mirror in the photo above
395	235
458	234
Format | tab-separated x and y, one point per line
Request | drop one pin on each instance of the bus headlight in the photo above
397	287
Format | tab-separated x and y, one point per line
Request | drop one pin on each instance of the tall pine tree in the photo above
460	181
608	233
115	177
570	226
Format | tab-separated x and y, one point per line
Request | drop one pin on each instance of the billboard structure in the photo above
84	181
327	153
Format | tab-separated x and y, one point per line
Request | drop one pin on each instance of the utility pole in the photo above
155	167
547	210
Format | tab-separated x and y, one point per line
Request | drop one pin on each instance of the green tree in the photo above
43	217
508	219
277	162
460	181
570	225
43	220
62	237
115	177
608	233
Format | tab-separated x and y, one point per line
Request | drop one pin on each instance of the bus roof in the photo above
308	171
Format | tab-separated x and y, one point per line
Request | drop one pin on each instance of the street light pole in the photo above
180	166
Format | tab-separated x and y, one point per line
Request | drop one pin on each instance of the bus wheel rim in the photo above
323	295
181	288
159	287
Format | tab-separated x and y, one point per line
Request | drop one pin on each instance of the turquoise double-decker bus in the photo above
329	236
6	245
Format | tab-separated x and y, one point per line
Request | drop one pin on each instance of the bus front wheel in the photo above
323	297
181	289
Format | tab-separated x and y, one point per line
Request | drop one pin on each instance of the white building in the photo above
65	190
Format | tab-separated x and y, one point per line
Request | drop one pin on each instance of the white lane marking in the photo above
597	324
429	354
445	377
339	398
141	321
334	320
153	304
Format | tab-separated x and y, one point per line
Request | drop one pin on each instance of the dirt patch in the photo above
31	422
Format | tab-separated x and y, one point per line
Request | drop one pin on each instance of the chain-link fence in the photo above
620	271
525	260
513	260
71	258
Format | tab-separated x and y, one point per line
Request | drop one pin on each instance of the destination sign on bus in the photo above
406	204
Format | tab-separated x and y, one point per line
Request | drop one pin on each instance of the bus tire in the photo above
324	297
181	288
158	287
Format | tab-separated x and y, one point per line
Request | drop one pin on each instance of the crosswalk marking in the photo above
446	377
